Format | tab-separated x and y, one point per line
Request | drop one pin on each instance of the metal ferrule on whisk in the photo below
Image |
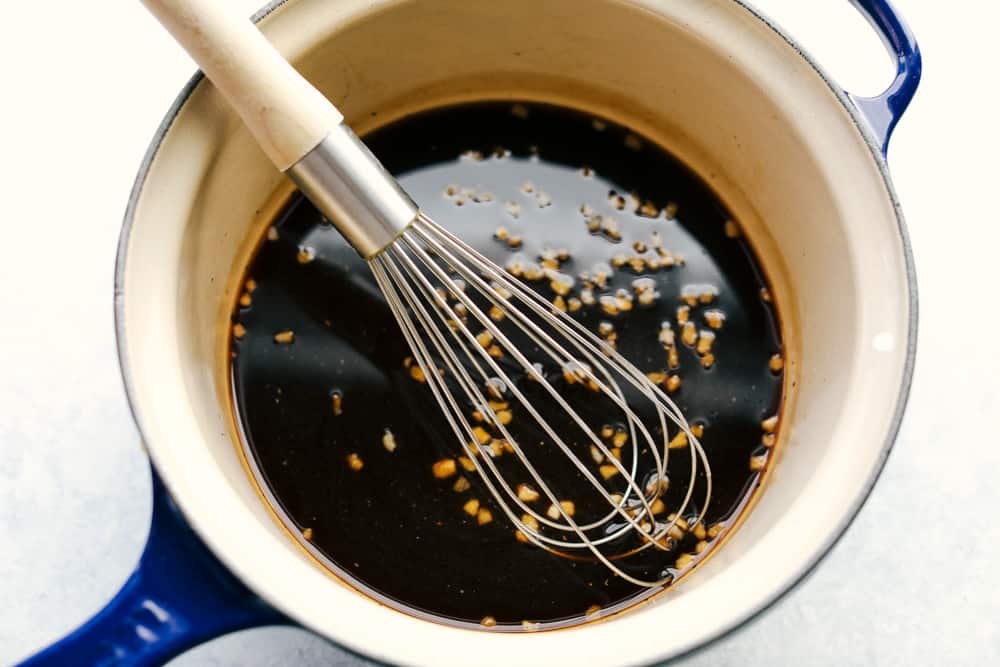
354	191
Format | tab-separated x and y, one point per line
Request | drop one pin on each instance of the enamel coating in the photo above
884	111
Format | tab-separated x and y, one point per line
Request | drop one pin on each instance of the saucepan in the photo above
799	162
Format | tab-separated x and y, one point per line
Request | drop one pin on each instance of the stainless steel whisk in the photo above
492	351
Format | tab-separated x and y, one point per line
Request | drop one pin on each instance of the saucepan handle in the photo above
883	111
179	596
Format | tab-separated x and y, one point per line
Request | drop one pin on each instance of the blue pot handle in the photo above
883	111
179	596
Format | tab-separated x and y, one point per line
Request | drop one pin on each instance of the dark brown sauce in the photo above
391	528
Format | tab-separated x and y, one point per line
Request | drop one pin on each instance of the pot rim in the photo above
808	567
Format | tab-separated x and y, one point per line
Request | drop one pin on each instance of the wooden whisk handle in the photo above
286	114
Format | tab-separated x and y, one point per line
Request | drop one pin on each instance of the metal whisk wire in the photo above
426	259
412	257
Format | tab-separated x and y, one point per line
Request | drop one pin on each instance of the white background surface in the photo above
916	580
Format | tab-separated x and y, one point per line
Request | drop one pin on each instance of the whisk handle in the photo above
300	131
287	116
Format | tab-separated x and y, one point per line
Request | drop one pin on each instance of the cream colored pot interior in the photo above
708	80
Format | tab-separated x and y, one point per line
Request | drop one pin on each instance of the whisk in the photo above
541	408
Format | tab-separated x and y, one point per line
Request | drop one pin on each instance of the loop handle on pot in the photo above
179	596
883	111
